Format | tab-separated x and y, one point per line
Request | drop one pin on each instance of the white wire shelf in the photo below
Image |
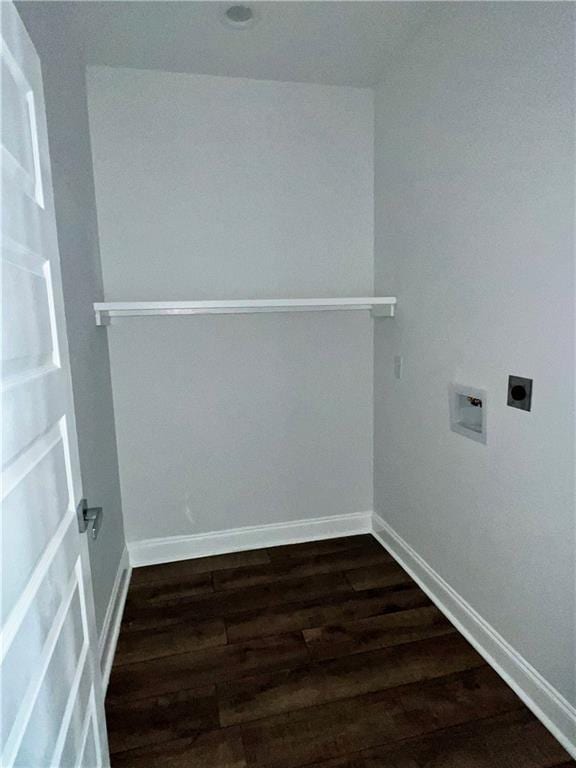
379	306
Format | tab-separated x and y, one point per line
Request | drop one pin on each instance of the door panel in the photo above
52	705
42	480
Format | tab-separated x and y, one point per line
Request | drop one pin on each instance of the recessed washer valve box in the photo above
468	411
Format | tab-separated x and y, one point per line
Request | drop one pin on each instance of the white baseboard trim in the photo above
113	617
166	550
549	706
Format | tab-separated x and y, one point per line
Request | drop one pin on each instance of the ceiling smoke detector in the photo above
239	17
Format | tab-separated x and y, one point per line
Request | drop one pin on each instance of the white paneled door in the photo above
51	688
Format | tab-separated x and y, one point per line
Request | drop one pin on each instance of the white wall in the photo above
212	187
474	232
68	132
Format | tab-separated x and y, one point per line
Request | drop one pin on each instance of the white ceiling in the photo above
340	43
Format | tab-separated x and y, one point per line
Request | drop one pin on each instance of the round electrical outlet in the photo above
518	392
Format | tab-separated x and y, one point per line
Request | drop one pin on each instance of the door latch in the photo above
89	516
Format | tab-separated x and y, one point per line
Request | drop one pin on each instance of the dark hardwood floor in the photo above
324	654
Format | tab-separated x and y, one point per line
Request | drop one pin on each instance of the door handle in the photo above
89	517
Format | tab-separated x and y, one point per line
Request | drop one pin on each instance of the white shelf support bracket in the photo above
102	318
383	310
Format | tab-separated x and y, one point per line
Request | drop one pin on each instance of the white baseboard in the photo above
113	617
549	706
165	550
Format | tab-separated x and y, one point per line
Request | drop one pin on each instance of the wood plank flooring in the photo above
323	654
